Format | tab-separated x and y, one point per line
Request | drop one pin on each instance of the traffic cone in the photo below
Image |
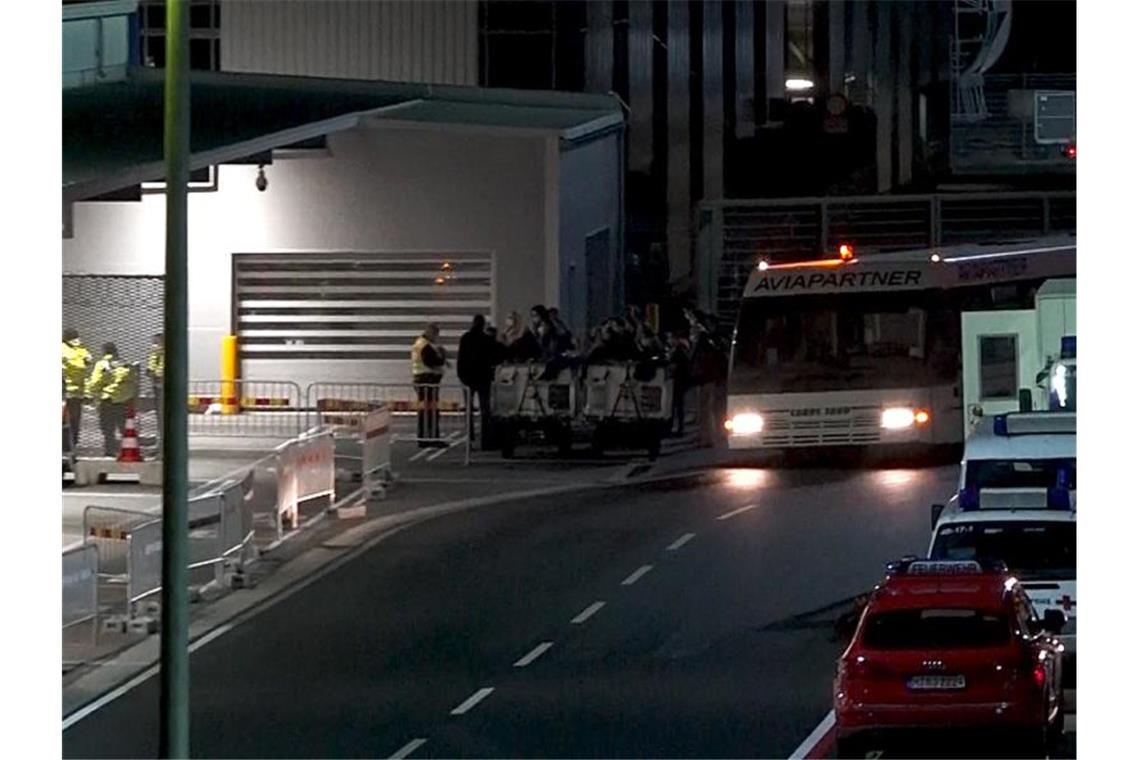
129	452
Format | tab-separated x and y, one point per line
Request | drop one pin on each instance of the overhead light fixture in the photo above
796	84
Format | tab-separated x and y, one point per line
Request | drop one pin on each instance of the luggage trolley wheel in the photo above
507	439
654	444
598	440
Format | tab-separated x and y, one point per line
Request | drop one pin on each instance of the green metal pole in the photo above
174	702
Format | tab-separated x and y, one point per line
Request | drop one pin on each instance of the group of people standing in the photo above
110	383
696	354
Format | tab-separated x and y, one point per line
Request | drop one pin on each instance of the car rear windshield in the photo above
935	629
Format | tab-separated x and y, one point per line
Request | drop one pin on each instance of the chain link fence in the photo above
125	310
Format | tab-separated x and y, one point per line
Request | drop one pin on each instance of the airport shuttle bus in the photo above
850	351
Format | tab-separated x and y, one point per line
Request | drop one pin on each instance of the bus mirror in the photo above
1025	400
935	513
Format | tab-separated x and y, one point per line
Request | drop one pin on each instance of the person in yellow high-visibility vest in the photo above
113	385
156	369
76	361
428	362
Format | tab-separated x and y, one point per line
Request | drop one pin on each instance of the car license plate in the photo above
936	682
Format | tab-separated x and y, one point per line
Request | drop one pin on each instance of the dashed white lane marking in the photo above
814	741
534	654
736	512
680	542
408	749
473	700
587	613
636	575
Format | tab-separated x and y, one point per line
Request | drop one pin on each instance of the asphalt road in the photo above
722	647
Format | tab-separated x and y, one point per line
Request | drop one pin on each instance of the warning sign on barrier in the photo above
305	470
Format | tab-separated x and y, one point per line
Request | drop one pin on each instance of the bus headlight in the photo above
897	418
746	423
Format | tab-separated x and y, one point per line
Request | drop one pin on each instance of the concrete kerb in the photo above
114	677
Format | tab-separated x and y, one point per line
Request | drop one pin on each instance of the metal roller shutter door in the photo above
318	316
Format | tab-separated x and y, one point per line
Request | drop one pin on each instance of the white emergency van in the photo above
1016	502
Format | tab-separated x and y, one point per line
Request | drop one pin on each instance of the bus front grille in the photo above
783	430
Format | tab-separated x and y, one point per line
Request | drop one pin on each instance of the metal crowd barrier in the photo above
246	408
81	586
306	469
128	544
435	417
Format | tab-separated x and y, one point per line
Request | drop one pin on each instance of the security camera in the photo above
261	182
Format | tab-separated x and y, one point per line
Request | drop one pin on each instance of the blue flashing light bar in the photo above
1069	347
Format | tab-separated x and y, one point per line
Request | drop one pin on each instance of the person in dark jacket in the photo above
428	362
475	367
679	358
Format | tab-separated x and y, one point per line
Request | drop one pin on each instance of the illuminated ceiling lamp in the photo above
798	84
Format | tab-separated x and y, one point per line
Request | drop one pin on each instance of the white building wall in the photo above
381	189
590	200
395	40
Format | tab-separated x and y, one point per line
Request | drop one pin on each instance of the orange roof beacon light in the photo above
846	252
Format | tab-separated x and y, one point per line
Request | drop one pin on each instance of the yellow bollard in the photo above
229	375
653	316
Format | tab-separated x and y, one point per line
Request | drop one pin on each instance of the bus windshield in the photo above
843	342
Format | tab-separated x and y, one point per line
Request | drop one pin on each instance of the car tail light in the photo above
1039	674
862	668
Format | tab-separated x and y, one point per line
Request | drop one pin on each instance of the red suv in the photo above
950	645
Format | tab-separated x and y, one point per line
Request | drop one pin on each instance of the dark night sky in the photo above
1043	38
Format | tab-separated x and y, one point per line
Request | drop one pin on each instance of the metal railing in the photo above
734	234
434	417
246	408
1002	137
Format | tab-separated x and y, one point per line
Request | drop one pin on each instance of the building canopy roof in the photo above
113	133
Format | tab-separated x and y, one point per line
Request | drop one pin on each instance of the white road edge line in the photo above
813	739
150	672
110	696
635	576
587	613
680	542
203	641
408	749
736	512
534	654
473	700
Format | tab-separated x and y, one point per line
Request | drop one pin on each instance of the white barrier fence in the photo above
80	584
306	469
376	451
127	549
